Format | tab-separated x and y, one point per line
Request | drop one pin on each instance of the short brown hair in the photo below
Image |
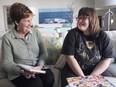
93	19
19	11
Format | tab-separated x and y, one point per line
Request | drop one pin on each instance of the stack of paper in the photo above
30	68
89	81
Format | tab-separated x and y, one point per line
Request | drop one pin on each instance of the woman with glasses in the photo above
87	49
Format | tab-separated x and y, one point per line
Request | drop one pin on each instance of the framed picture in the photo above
8	20
56	16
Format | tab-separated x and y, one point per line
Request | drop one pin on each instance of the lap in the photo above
38	81
65	73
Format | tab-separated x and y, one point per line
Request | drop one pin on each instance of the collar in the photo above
16	35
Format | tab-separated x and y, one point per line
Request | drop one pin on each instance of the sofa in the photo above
53	42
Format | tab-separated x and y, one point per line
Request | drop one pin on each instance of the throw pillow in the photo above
53	46
53	43
60	63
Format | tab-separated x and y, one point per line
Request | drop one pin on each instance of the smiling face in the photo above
83	23
22	18
24	26
88	21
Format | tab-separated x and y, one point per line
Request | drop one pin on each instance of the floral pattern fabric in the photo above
53	45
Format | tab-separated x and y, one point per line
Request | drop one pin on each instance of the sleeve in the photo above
43	51
7	57
68	47
107	49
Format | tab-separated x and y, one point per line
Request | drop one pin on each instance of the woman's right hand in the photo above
74	65
27	74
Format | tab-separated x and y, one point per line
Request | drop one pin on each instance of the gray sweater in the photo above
15	50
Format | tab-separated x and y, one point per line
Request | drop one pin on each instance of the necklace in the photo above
90	44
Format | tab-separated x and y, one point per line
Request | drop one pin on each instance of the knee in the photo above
50	79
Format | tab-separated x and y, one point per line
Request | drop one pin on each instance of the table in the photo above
110	79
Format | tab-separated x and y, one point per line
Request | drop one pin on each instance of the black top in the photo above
87	50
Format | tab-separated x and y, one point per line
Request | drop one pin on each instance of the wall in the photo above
104	3
43	4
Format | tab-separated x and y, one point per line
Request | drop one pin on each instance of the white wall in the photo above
43	4
105	3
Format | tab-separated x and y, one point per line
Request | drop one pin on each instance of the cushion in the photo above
60	63
53	42
112	69
114	45
53	48
6	83
112	35
2	72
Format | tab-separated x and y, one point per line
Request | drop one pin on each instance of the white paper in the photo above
30	68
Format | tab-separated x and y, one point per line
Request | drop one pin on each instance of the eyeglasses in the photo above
82	17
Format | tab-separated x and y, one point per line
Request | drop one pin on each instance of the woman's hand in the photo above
38	67
28	74
101	66
74	65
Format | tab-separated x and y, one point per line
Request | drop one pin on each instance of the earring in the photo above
16	24
17	29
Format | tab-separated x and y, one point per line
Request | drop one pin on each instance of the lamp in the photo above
110	19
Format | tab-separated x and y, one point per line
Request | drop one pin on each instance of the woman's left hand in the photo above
38	67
